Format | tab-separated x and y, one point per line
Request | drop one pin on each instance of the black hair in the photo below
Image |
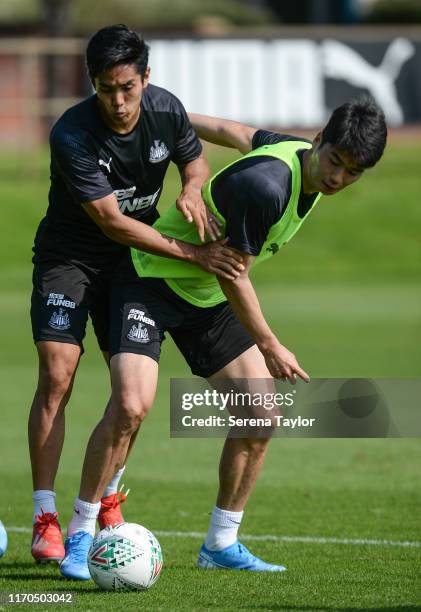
358	128
115	45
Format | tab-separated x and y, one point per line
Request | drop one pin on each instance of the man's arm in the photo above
223	132
241	295
213	257
190	204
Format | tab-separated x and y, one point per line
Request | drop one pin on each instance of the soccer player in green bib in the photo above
261	201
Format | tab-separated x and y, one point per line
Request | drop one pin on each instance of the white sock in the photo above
44	500
113	484
84	517
223	528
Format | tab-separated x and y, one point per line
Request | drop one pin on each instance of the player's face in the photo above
119	91
330	169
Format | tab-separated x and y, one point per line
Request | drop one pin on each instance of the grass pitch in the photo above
343	515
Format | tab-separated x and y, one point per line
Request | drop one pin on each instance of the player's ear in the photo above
145	78
317	139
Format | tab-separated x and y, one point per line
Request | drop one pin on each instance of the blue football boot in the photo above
3	539
75	562
236	557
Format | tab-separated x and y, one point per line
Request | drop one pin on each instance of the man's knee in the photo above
57	367
257	446
129	411
54	386
134	380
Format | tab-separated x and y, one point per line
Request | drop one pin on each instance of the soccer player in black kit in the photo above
262	200
109	156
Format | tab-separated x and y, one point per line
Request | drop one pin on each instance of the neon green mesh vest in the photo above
191	282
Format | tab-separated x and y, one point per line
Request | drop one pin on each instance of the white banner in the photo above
276	82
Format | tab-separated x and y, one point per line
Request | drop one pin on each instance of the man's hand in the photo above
281	362
191	205
218	259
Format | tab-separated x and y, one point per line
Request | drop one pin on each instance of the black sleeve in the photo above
263	137
188	146
252	196
248	224
78	167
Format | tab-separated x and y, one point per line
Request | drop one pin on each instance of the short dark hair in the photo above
359	128
115	45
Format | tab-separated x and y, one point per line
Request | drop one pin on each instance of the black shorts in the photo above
208	338
63	296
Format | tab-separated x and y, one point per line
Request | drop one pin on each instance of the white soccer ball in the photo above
126	557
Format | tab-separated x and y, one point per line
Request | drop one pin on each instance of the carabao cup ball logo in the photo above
114	553
125	557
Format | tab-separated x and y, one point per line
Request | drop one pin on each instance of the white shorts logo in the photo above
58	299
60	320
138	333
139	315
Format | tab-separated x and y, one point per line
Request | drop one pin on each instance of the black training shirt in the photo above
90	161
252	194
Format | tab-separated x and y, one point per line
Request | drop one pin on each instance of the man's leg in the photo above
110	510
134	379
242	458
240	464
57	367
113	496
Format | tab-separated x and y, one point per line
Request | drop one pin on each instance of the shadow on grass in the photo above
29	571
16	570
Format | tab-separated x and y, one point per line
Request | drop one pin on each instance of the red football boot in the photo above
110	511
47	542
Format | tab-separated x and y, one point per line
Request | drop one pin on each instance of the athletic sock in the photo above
84	517
44	501
113	484
223	529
